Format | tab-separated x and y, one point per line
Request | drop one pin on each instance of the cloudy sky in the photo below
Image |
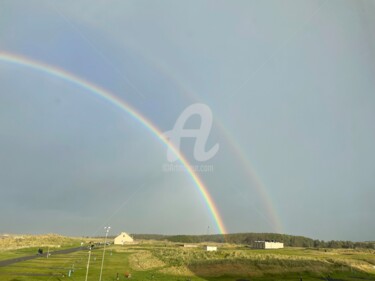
290	86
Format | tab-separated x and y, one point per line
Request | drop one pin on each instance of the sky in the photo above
289	86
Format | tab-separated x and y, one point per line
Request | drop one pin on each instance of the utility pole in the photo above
88	263
107	228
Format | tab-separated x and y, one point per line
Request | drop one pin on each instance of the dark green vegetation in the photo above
168	261
249	238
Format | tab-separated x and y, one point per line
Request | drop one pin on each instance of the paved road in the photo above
60	252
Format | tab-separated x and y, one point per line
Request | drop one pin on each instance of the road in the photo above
25	258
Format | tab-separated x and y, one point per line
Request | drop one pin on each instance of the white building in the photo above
268	245
210	248
123	238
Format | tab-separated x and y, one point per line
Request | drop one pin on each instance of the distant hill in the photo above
249	238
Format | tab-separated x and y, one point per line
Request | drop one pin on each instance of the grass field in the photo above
14	246
168	261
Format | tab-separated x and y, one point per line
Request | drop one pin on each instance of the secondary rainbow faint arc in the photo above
272	217
111	98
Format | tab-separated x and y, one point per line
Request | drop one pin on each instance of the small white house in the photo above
123	238
268	245
210	248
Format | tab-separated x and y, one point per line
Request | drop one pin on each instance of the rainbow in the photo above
270	216
122	105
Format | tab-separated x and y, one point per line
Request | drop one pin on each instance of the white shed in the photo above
210	248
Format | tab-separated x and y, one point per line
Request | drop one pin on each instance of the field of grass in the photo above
13	246
164	261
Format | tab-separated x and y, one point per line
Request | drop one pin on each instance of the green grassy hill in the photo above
166	261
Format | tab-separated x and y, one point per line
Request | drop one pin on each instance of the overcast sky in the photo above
290	85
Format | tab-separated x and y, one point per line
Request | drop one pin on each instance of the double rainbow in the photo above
122	105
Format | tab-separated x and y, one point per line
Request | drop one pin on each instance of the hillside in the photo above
168	261
249	238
